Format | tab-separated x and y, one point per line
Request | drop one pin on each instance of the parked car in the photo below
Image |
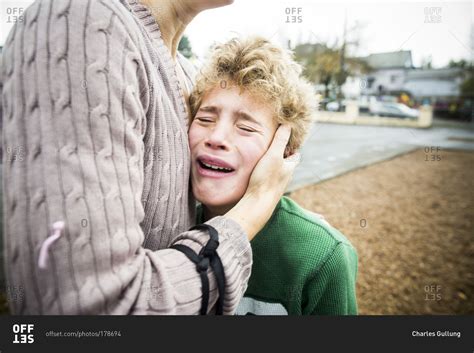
396	110
333	106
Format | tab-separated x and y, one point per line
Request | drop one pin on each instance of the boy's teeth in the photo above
215	167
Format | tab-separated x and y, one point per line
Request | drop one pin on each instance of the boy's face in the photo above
231	131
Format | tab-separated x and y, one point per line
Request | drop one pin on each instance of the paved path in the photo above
333	149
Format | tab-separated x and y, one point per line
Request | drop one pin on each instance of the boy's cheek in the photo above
193	137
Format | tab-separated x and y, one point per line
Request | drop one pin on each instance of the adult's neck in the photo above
172	16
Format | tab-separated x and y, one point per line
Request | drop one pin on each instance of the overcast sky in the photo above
438	29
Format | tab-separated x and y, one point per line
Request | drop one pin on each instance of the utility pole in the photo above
342	60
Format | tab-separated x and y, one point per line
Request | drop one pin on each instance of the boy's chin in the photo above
216	200
218	206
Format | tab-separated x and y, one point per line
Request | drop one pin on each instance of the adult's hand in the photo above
266	186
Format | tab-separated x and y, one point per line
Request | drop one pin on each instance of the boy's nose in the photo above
218	139
216	144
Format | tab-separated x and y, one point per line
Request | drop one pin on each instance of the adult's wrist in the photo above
252	213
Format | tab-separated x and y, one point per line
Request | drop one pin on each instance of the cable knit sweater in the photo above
95	136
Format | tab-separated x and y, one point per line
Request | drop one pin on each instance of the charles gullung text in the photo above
456	334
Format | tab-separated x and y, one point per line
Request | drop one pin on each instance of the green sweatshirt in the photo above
301	266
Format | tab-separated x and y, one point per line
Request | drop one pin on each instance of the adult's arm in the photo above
75	98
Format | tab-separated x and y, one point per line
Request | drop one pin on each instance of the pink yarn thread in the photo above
44	251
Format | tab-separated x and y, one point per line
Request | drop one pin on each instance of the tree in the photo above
323	64
320	63
330	65
461	64
184	47
427	62
467	86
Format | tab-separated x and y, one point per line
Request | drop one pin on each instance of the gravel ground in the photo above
411	221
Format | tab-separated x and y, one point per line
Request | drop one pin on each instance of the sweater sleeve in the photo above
75	98
332	291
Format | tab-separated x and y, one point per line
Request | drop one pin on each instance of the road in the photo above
332	149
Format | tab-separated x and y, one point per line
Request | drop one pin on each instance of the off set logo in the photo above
23	333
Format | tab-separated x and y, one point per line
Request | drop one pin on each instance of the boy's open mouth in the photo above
214	165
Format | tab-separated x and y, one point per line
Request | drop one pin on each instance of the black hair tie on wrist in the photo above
207	257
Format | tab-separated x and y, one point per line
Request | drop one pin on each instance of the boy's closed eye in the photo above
205	119
246	128
243	127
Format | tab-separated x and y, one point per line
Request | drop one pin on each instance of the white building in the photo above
393	72
389	72
434	83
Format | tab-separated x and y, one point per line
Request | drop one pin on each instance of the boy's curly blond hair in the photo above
255	64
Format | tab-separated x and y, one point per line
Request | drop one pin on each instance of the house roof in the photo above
440	74
390	60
